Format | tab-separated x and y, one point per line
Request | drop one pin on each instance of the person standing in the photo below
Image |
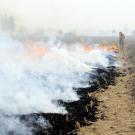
121	42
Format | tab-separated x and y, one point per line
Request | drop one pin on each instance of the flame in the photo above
39	49
109	48
86	47
103	47
114	48
36	49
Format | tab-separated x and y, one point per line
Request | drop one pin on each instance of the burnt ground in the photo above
116	110
106	108
80	113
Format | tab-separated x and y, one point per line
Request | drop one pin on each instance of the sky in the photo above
72	15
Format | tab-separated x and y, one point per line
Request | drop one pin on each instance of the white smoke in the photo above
32	84
12	125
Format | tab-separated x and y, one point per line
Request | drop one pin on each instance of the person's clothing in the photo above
121	39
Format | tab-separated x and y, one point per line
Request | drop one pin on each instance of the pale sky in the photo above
78	15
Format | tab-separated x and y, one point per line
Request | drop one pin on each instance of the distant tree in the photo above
7	23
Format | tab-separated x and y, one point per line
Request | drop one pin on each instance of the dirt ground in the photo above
116	111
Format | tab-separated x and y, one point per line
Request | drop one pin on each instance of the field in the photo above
89	94
116	111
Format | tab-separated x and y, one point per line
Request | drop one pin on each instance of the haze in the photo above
72	15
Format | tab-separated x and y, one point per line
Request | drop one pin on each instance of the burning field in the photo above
67	67
46	86
116	107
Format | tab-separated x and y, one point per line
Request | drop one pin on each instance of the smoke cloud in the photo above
35	75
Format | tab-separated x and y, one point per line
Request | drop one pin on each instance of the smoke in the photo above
35	75
12	125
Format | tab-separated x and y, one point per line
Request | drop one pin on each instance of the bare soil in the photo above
116	110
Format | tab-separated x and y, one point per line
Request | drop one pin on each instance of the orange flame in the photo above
86	47
112	48
36	49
